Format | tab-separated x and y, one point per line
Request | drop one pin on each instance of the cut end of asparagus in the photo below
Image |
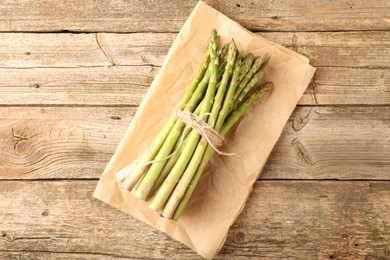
122	174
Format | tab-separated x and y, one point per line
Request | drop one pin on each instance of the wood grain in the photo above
75	86
140	16
65	142
351	69
324	49
69	142
295	219
20	50
127	85
66	99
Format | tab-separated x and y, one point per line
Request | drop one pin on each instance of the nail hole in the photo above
238	5
115	118
356	244
28	53
275	17
35	86
45	213
331	256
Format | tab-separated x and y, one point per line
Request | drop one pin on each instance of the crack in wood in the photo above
294	43
300	122
147	63
301	152
20	138
12	238
103	50
65	252
313	87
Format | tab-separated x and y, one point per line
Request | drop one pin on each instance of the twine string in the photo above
207	131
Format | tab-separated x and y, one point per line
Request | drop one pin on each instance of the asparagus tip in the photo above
265	88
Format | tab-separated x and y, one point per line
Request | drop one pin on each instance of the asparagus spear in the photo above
148	181
246	66
230	121
199	76
166	188
223	52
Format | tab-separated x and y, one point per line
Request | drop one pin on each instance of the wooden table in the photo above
72	74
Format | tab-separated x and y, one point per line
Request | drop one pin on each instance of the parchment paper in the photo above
225	186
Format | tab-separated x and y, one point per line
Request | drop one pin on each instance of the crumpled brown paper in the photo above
225	185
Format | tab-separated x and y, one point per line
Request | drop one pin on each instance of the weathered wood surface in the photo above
66	100
77	142
324	49
162	16
127	85
76	69
292	220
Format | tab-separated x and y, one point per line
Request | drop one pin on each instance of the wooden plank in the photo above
325	49
117	85
282	219
140	16
28	255
317	142
348	86
338	49
334	143
64	142
127	85
358	74
20	50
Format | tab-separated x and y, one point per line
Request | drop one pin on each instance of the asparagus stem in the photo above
193	140
168	167
201	147
230	121
151	176
181	187
199	76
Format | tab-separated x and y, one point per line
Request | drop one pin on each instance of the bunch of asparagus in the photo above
223	89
